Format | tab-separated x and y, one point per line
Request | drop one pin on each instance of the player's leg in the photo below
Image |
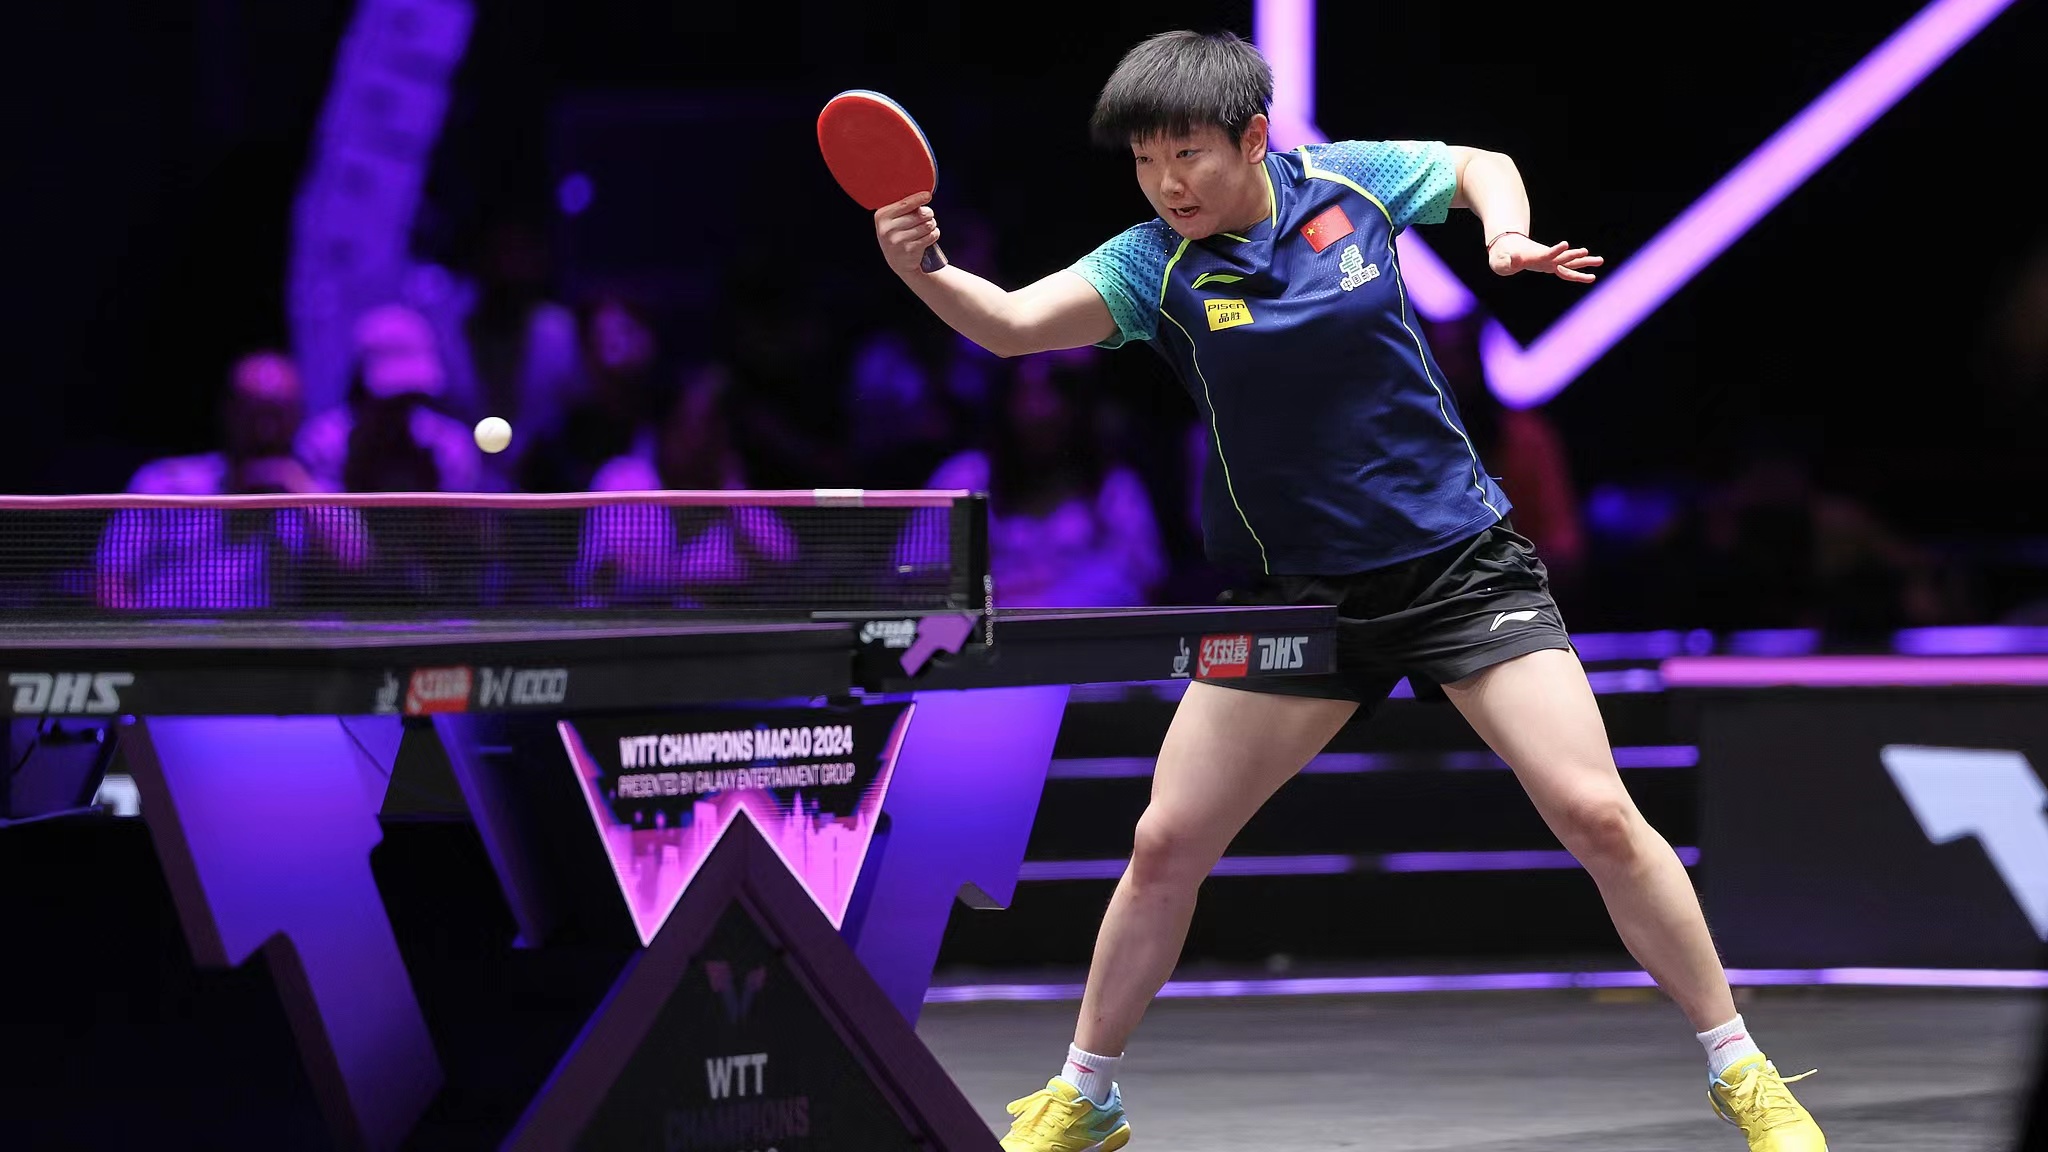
1538	712
1225	754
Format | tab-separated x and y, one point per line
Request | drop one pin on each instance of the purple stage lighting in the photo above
1536	860
1524	377
1953	978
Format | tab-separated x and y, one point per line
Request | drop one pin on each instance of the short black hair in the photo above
1175	82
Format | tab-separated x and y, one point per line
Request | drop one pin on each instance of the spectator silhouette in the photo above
260	417
214	558
614	416
1775	550
390	433
1069	525
686	556
1521	448
902	422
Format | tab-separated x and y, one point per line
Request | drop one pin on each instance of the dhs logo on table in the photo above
68	693
1282	653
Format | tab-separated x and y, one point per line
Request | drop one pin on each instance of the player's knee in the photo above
1601	828
1166	851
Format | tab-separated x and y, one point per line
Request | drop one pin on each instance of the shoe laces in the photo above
1043	1113
1761	1095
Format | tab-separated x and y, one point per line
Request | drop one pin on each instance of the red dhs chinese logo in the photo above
1223	657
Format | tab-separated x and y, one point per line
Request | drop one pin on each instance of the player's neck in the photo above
1257	204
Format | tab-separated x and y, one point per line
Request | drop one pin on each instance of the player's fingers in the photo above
889	219
907	228
1575	276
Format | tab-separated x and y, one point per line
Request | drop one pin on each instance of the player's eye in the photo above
1187	152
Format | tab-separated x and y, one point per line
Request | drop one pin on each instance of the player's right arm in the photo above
1062	310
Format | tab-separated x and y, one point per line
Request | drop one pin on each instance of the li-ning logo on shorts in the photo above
68	693
1224	657
1226	314
1356	270
1524	614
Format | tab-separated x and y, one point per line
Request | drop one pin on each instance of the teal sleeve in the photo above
1415	179
1129	270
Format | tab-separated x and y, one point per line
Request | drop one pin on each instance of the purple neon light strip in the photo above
1522	377
1979	978
1362	763
1853	671
1536	860
1983	640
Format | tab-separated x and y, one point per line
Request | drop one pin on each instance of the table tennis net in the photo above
724	553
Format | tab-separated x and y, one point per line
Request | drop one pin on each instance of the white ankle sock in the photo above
1093	1075
1727	1046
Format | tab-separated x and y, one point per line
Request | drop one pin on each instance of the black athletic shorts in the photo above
1435	619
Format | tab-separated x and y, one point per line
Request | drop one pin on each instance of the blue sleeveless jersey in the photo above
1334	446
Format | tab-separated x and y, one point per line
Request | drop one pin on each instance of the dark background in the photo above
163	141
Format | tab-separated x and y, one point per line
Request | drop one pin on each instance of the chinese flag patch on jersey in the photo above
1327	228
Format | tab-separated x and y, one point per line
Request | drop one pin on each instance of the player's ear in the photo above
1254	139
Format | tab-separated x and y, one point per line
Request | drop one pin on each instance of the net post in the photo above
975	584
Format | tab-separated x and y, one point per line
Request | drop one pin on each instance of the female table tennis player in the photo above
1339	474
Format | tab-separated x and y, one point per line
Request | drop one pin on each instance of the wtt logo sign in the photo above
737	998
1992	794
68	693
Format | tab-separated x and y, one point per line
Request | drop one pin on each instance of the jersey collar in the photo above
1270	222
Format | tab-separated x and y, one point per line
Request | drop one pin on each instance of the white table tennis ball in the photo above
493	434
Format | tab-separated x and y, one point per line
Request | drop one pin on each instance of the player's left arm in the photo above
1490	186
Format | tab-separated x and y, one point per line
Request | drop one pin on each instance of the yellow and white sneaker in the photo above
1753	1097
1060	1119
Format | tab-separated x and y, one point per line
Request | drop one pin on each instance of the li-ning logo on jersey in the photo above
1226	314
1356	270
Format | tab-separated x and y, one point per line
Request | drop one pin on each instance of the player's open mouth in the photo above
1185	213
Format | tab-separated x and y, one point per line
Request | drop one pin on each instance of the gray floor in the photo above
1518	1072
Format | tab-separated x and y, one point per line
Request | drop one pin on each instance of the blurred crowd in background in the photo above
1092	469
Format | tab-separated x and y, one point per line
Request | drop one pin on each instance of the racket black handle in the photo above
933	259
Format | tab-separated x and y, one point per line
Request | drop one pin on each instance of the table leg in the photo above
264	826
960	811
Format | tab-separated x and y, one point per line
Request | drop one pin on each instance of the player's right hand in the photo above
904	230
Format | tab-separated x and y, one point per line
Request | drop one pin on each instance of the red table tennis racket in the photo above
877	153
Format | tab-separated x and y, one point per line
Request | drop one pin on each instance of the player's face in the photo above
1201	183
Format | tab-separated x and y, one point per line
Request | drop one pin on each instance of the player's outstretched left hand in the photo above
1515	252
